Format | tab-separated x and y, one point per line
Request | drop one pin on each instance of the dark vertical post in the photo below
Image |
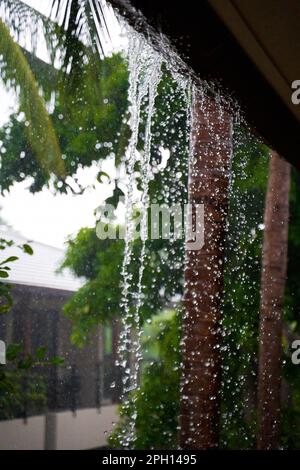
209	176
273	278
50	437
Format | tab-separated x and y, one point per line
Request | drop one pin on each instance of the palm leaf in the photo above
83	19
26	22
75	31
69	21
17	74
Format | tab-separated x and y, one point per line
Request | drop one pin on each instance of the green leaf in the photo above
4	243
3	274
9	260
27	249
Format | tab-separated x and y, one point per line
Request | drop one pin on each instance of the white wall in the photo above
85	430
16	435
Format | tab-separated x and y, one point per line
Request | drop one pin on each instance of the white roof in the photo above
40	268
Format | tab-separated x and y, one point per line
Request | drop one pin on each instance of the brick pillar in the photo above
209	175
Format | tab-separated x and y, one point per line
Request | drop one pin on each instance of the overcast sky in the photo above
44	216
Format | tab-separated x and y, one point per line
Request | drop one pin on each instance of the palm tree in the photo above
273	277
208	184
16	73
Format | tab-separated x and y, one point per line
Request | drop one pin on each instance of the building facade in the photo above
77	407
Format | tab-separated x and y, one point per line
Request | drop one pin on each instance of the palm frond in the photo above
25	22
16	74
83	19
75	32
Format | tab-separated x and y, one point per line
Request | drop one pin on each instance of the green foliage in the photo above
98	301
21	384
157	400
100	261
5	296
89	124
17	390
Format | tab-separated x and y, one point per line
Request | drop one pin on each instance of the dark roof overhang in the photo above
251	47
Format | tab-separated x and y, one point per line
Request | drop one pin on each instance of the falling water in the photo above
145	72
144	76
